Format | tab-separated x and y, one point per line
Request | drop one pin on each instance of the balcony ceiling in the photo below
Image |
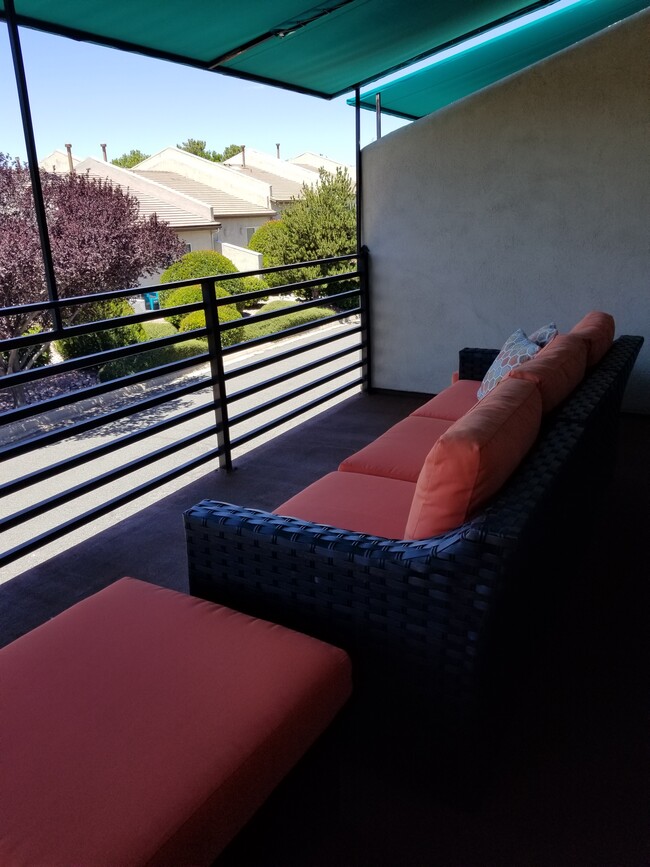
325	49
450	78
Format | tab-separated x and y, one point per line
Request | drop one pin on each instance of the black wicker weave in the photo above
427	614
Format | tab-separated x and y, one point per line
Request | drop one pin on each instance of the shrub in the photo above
227	313
185	295
298	316
154	330
112	338
203	263
152	358
252	284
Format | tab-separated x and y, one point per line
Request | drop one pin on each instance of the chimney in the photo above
68	147
277	148
243	155
103	147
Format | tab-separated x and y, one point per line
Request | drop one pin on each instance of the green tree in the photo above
270	241
319	225
198	147
127	161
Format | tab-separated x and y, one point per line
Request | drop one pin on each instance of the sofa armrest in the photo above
473	363
419	606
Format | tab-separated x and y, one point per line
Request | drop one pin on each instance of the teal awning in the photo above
419	93
325	49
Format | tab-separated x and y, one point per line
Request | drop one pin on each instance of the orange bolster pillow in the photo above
597	329
473	459
556	369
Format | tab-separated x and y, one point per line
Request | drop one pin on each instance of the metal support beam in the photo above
359	184
28	129
378	114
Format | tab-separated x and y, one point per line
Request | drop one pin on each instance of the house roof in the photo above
314	162
181	212
223	204
285	179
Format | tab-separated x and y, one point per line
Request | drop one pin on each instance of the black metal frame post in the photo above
362	253
32	159
218	375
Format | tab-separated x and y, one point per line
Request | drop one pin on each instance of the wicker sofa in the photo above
428	615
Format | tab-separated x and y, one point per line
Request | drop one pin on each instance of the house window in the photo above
250	231
187	248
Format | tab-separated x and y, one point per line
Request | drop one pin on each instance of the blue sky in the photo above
86	95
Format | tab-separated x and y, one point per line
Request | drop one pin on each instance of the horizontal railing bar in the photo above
245	438
292	374
284	398
103	479
292	353
280	335
98	511
95	360
100	451
99	325
304	305
77	428
91	327
71	397
132	291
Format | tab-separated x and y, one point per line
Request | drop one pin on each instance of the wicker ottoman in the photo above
145	726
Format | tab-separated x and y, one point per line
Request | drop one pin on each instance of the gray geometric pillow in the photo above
544	334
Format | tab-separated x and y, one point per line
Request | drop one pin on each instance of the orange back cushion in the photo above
556	370
597	329
472	460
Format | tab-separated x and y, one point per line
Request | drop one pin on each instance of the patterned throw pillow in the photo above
544	334
517	349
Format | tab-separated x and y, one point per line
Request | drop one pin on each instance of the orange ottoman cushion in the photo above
145	726
400	452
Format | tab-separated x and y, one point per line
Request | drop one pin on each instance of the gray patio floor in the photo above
571	779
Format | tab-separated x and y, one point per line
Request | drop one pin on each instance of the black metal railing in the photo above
56	449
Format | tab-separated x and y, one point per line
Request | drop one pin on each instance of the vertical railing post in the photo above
366	353
217	372
32	159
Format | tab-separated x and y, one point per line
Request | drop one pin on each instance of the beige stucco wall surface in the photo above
524	203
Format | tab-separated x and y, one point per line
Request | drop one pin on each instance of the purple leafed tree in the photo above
98	243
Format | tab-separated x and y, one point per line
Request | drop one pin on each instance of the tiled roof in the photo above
223	204
176	216
282	189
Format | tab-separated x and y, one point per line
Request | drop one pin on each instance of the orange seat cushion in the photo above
597	329
472	460
400	452
145	726
452	402
356	502
556	370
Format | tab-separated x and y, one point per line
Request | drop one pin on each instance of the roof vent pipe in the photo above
68	147
243	155
103	147
277	148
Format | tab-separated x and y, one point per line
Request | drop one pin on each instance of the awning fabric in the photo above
420	93
326	49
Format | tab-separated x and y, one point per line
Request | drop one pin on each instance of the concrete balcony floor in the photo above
570	782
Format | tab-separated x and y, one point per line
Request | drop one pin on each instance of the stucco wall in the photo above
527	202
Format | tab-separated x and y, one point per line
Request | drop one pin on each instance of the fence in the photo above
136	431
